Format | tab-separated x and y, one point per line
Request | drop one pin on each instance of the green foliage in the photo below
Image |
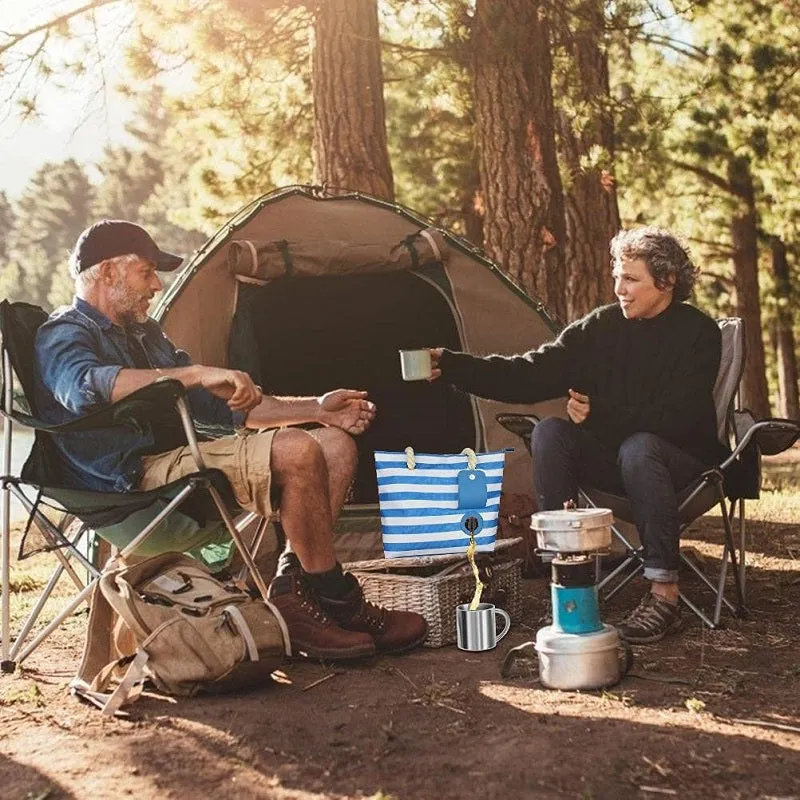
52	210
429	108
241	122
6	226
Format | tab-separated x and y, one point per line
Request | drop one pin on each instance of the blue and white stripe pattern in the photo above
420	514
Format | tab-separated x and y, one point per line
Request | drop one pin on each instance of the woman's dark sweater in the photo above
641	375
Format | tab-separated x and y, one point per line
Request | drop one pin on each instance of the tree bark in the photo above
520	184
590	197
785	344
744	235
350	149
472	210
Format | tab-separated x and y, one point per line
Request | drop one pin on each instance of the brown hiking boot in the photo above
393	631
311	631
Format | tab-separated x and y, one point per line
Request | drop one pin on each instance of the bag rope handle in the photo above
472	459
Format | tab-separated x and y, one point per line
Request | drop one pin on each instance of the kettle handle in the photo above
626	660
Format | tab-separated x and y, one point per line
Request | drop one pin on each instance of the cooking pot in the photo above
581	661
576	530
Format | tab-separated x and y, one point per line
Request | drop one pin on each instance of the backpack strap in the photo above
127	691
236	617
130	687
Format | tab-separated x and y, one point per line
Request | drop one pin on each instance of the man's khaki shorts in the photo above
245	460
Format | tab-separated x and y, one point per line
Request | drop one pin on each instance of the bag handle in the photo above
472	459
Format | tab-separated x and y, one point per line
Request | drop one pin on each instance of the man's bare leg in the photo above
313	473
300	468
341	457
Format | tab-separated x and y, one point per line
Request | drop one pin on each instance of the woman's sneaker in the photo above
650	621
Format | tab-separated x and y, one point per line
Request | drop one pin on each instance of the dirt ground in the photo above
703	714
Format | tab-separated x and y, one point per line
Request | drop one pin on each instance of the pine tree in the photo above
56	206
520	182
350	150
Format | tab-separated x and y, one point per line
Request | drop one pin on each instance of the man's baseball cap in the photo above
116	237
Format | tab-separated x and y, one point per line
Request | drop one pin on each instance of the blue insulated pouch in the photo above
430	503
472	491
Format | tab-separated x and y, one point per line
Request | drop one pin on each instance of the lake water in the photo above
21	442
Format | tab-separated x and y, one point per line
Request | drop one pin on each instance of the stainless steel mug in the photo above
415	365
477	630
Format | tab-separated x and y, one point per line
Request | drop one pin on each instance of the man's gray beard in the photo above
127	301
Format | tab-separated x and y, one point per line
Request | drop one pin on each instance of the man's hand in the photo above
347	409
232	385
578	406
436	354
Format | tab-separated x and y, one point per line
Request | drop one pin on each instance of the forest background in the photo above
534	129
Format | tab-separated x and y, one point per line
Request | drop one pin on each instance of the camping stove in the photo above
577	651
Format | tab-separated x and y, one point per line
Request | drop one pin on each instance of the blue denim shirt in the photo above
79	353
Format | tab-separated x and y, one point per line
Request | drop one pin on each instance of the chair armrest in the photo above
521	425
134	409
770	436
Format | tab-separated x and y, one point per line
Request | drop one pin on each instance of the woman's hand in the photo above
436	354
578	406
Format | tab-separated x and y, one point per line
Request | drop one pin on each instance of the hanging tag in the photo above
472	489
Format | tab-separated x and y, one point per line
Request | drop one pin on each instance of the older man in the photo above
639	376
105	346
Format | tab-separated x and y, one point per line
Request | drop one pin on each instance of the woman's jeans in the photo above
648	470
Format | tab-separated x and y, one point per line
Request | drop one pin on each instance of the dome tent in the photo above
311	290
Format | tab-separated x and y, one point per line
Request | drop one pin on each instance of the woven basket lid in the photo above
426	561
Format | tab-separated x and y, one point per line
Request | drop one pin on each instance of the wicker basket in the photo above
436	596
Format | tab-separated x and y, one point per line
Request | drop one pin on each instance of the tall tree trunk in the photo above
521	188
785	345
590	197
472	210
744	235
350	149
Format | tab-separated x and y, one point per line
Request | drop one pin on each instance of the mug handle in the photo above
504	615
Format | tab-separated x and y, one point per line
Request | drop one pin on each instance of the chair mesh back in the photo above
731	366
19	323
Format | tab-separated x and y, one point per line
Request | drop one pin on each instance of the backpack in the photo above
179	627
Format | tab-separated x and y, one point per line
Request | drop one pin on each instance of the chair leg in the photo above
742	549
731	548
85	593
236	536
48	590
258	538
627	579
65	612
697	571
5	520
698	611
5	577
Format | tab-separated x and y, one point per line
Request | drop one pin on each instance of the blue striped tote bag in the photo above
429	503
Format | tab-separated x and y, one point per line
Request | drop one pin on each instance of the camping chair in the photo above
175	517
727	484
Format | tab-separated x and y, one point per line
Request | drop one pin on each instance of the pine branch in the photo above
15	38
705	174
726	280
677	46
719	246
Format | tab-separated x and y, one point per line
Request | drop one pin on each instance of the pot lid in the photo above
572	519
